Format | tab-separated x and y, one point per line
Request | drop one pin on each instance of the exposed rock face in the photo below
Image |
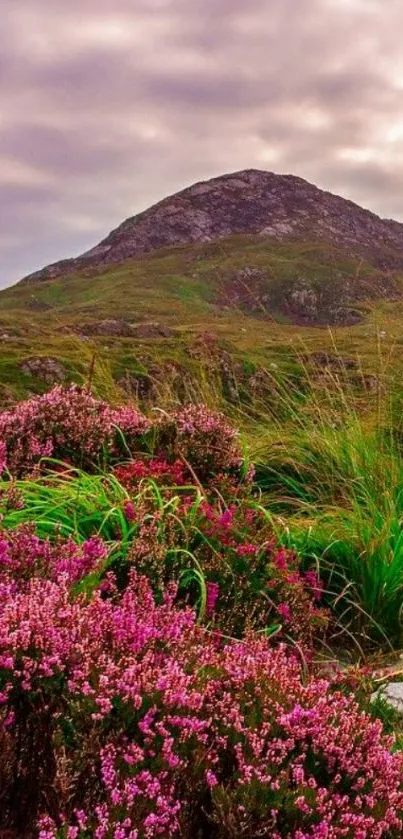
152	330
110	327
48	370
392	693
254	202
302	300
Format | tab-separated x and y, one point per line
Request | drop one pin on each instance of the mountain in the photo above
234	281
246	202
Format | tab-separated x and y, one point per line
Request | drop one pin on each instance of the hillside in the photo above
246	202
227	276
201	610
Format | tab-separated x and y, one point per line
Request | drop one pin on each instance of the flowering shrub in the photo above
67	424
132	723
204	439
250	582
159	470
24	556
3	457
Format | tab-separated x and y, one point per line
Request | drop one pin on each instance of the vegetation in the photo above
228	320
175	626
193	619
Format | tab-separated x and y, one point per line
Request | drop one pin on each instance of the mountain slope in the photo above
246	202
170	297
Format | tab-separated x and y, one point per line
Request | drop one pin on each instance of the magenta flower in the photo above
213	590
284	611
130	511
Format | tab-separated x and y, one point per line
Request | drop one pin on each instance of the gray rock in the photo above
152	330
111	327
48	370
247	202
392	694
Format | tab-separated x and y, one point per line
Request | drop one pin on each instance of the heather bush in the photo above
226	559
24	556
124	720
157	469
224	556
3	457
204	440
68	424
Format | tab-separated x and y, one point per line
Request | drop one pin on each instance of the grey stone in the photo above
392	693
48	370
247	202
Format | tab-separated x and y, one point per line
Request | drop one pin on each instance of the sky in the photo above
107	106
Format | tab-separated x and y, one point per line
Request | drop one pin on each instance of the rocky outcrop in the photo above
48	370
253	202
110	328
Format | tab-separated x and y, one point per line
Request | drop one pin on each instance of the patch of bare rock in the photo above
247	202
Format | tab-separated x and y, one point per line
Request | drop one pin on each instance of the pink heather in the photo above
67	423
159	710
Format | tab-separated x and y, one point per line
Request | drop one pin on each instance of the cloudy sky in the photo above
109	105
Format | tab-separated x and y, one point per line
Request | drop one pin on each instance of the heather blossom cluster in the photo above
67	424
3	457
158	469
204	439
151	727
23	556
125	712
70	424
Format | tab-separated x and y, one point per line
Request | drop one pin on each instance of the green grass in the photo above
185	289
332	476
326	438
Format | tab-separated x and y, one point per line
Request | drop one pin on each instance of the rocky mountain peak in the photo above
246	202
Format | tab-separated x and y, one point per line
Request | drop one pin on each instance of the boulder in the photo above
392	693
48	370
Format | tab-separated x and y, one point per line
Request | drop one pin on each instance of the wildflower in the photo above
213	590
130	511
284	611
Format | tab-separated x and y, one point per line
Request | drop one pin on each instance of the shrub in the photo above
3	457
176	534
204	439
24	556
231	551
68	424
158	469
131	722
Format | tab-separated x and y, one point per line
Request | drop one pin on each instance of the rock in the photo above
152	330
246	289
115	328
48	370
146	384
123	329
248	202
392	693
303	301
39	305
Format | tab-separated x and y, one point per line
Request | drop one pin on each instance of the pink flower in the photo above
285	611
213	590
130	511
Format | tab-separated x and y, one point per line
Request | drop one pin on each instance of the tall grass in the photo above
333	478
329	468
71	503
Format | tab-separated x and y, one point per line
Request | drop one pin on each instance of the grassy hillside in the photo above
301	349
239	307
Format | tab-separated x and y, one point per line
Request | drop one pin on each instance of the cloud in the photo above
109	105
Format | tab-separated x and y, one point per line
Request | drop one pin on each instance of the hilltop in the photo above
227	275
249	201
